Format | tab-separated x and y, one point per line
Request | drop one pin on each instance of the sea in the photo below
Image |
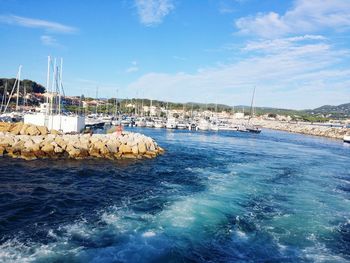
212	197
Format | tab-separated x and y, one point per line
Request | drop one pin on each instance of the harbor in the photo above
175	131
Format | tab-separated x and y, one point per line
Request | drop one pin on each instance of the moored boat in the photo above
150	124
181	126
158	124
171	123
253	129
203	125
346	138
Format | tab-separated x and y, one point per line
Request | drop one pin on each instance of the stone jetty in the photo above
304	128
31	142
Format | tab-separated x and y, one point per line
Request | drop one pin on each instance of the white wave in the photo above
149	234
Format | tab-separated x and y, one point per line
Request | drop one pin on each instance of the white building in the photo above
238	115
57	122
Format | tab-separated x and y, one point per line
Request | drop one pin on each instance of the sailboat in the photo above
13	115
249	127
52	116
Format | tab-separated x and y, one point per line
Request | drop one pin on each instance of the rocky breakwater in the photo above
31	142
303	128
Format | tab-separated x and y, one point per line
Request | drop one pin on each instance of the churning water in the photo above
213	197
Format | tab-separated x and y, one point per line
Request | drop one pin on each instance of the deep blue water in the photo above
213	197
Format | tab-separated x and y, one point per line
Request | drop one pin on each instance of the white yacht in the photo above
227	127
181	126
126	122
346	138
214	127
203	125
150	124
159	124
171	123
140	122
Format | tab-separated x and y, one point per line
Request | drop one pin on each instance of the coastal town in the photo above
137	112
101	113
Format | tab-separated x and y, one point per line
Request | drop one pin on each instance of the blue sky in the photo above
296	52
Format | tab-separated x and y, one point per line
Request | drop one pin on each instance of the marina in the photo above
175	131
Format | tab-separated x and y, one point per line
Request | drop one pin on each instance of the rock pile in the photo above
20	128
316	130
30	144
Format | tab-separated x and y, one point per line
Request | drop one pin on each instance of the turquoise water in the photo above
213	197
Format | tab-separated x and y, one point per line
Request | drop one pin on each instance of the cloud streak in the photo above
304	17
48	26
152	12
49	41
298	72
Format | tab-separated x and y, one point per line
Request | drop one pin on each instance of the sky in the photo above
295	52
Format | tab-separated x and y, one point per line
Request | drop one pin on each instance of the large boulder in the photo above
112	146
142	147
32	130
135	150
23	131
48	148
28	155
5	126
37	139
73	152
61	143
6	141
124	149
56	132
16	128
43	130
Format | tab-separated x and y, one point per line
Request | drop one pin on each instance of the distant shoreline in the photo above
307	129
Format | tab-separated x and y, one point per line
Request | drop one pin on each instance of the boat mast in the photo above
3	97
47	84
251	106
13	88
52	86
116	104
18	82
60	87
96	100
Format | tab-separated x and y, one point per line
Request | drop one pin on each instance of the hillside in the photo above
31	86
340	111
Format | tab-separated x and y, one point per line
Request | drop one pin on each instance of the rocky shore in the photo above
31	142
309	129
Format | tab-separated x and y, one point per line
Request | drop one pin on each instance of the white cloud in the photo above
48	40
294	74
132	69
280	44
304	17
152	12
179	58
36	23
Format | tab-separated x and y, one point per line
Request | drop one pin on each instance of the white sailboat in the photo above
249	127
53	118
7	115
